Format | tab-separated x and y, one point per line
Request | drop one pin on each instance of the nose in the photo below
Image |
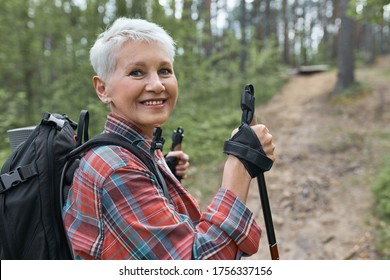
154	84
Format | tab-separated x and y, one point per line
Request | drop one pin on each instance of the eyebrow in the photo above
135	63
131	64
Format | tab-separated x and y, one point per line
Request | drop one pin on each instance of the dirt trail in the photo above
320	185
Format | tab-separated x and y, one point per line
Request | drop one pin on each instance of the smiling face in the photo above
143	87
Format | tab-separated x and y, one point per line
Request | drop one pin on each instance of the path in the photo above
320	185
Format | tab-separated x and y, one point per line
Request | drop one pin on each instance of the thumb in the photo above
254	120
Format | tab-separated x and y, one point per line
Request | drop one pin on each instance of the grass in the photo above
357	91
381	190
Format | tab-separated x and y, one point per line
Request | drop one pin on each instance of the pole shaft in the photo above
269	226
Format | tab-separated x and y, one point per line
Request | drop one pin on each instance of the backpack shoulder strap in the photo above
118	140
82	129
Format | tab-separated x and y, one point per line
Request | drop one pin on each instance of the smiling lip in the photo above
153	102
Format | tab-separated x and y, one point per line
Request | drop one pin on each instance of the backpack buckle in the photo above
158	141
51	119
11	179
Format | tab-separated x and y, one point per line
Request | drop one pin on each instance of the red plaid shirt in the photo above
117	210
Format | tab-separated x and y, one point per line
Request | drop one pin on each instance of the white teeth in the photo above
159	102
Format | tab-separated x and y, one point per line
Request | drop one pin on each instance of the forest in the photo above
221	46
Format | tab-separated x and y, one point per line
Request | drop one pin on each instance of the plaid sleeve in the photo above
230	215
141	224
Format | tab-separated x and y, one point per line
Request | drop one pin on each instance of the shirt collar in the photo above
121	126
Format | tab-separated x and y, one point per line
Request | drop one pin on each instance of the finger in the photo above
184	157
182	173
254	120
234	132
179	154
182	166
268	146
260	130
266	138
174	153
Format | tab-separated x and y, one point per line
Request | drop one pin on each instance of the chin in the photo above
159	121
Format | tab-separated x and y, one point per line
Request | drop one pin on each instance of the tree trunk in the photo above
186	14
207	39
345	59
294	21
256	20
303	55
268	19
335	16
244	40
286	42
368	43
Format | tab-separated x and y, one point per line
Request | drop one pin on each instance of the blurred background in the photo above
320	70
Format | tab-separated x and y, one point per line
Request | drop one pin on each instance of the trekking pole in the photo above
177	138
248	109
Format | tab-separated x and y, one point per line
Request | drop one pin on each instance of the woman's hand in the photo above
183	164
265	139
235	176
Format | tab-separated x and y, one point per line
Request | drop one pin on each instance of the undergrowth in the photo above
357	91
381	190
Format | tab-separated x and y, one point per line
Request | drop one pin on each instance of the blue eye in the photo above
135	73
165	71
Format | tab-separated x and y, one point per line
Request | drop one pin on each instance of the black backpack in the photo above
34	183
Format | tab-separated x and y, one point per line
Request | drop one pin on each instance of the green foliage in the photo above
381	190
12	106
45	67
359	89
264	70
368	10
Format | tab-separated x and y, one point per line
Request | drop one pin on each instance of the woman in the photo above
116	209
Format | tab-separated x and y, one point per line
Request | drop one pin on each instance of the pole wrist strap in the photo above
245	146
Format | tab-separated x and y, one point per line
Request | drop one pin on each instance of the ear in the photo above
100	87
